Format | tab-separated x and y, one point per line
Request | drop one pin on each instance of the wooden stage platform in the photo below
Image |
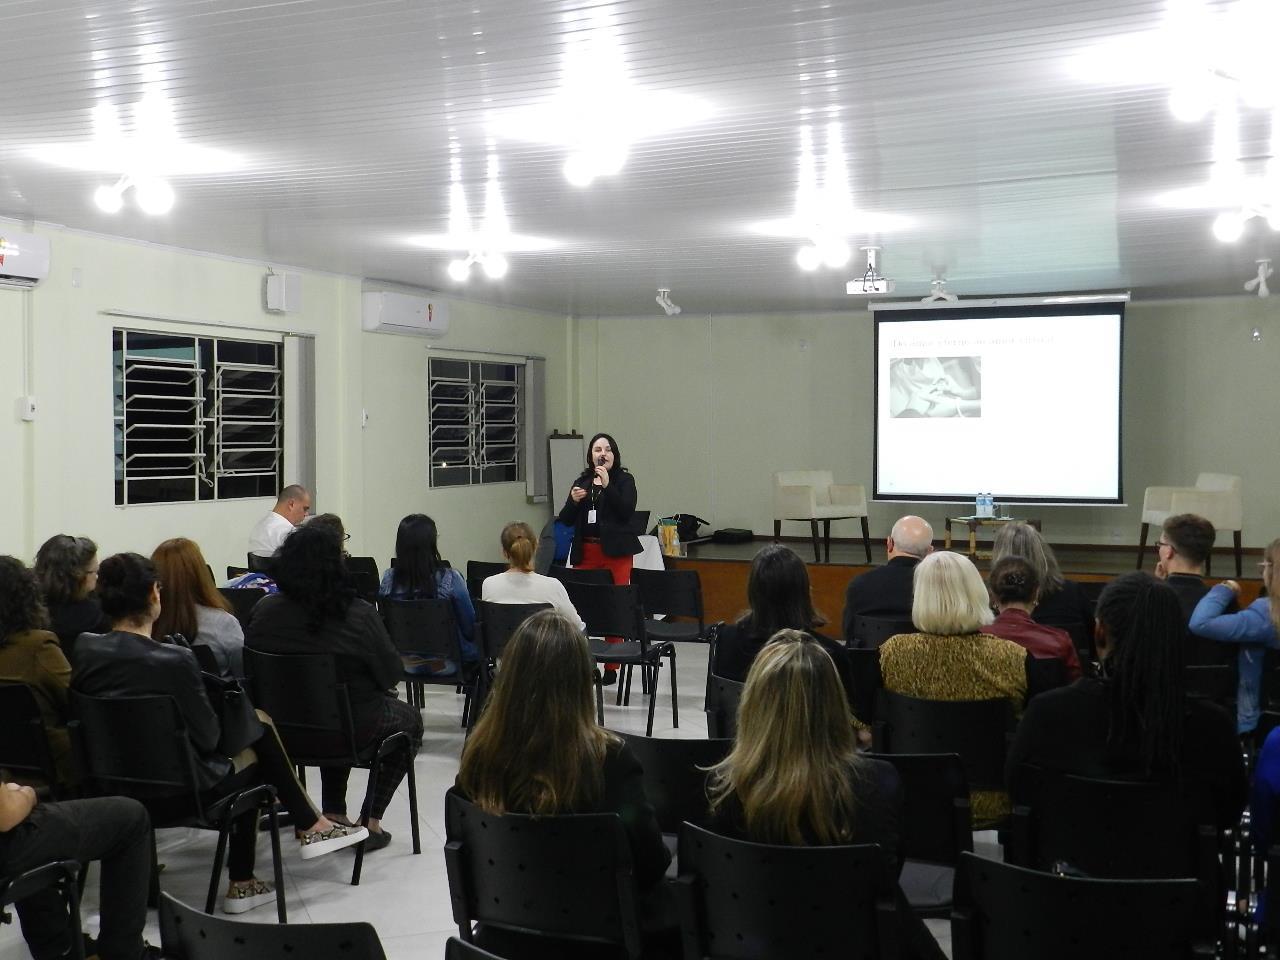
723	571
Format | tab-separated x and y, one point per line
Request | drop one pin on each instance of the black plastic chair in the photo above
233	572
186	934
722	707
205	658
24	747
977	730
671	593
311	711
1005	912
1116	829
364	565
428	628
1214	682
755	901
61	874
242	600
495	623
611	611
478	571
138	747
257	564
455	949
365	585
673	782
871	632
563	877
595	577
936	827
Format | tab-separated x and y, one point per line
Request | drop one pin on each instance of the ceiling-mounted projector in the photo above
871	283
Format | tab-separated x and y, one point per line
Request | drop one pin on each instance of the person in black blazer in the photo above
599	508
885	592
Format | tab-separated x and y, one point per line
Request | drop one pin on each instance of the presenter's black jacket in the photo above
883	592
614	506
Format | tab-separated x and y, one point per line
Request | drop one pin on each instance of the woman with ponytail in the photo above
1135	721
518	583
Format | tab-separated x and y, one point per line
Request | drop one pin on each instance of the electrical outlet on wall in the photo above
26	407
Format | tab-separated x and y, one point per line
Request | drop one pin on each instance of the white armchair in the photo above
811	495
1216	496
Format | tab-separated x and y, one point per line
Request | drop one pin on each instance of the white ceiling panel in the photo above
1013	171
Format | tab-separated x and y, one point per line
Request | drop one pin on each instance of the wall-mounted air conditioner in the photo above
24	259
383	311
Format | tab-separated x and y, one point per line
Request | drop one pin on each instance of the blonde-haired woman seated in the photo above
518	583
537	749
794	776
952	658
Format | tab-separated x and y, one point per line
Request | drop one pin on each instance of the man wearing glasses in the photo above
1183	551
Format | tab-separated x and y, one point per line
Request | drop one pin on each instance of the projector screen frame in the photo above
1005	307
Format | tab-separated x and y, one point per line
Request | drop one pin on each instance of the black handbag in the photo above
237	718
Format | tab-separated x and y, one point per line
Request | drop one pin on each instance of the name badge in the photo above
591	516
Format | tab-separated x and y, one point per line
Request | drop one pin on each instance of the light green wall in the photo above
706	408
57	474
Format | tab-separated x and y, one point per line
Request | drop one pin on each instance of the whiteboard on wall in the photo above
566	459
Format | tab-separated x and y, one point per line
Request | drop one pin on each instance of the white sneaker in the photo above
247	896
319	842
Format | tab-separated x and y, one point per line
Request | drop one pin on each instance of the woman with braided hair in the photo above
1135	721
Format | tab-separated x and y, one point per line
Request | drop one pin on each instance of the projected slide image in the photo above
935	387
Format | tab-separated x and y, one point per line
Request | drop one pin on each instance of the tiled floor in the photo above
404	896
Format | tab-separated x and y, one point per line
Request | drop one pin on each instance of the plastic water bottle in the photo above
977	505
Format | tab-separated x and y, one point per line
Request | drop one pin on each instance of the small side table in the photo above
973	523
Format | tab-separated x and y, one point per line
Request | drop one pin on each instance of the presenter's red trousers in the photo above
593	558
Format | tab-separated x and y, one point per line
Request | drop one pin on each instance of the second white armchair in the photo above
814	495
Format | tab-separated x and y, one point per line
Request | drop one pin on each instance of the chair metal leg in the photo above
413	801
364	819
1235	536
1142	543
826	540
153	885
653	702
866	539
219	856
777	530
675	704
599	701
813	534
277	863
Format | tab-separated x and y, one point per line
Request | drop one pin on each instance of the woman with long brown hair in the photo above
191	605
794	776
537	748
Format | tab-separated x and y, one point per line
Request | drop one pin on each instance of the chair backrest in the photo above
591	575
1004	912
482	569
363	565
721	708
233	572
428	627
871	632
455	949
819	480
132	746
1215	682
865	681
1081	639
307	703
936	825
675	776
24	748
1104	828
755	901
242	600
365	585
978	730
672	593
1218	482
259	564
560	876
498	621
187	934
608	611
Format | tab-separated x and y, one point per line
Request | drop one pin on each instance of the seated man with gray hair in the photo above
885	592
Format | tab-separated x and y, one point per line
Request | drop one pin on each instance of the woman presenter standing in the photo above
599	509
